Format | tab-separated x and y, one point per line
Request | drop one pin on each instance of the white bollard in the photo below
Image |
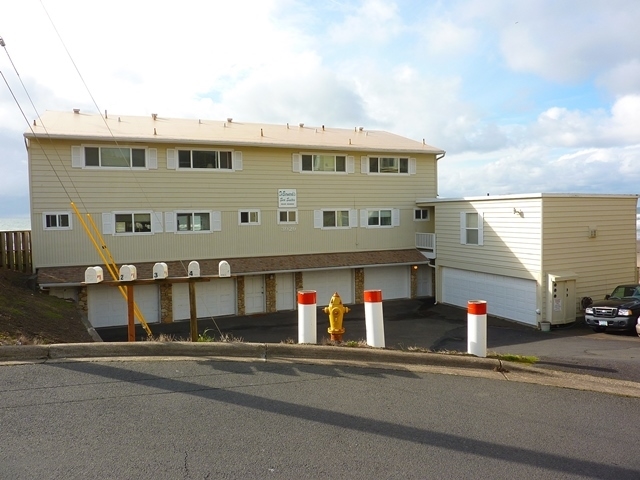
373	318
307	313
477	328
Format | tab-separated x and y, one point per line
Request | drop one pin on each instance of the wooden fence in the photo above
15	251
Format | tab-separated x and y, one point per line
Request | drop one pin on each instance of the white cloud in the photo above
373	21
623	79
444	37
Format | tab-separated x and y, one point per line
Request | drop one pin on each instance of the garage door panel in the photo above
395	282
326	282
108	308
214	298
507	297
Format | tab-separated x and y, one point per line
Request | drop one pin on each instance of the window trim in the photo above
109	223
365	165
79	157
349	163
57	214
288	222
318	218
464	229
422	210
249	211
171	221
364	217
173	159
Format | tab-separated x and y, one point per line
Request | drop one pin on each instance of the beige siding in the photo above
95	191
599	263
511	245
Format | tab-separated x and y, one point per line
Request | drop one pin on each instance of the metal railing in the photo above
426	242
15	250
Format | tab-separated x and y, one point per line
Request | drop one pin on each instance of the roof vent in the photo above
361	128
76	110
229	119
301	125
154	116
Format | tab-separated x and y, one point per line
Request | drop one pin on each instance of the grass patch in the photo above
509	357
209	336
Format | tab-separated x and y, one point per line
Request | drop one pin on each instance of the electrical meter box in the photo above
128	273
93	275
160	271
224	270
194	269
561	298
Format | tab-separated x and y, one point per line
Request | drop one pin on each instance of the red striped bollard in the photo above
477	328
373	318
307	317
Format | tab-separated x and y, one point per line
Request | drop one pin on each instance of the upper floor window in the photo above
330	218
113	157
471	224
220	159
328	163
199	221
205	159
131	223
420	214
398	165
249	217
56	220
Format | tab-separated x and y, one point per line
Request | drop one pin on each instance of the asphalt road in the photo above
168	419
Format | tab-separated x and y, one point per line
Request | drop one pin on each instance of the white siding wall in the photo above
264	171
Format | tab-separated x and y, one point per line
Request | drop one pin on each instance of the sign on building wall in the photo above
287	198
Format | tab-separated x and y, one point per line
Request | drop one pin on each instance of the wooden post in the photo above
193	318
11	258
131	323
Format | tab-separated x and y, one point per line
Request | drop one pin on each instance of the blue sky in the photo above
525	96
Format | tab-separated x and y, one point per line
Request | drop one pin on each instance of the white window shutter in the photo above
156	222
107	224
353	218
463	228
395	217
317	219
237	161
216	221
170	221
351	164
172	162
364	217
412	166
297	162
77	157
480	224
364	164
152	161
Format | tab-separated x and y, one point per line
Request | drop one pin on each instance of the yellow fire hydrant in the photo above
336	312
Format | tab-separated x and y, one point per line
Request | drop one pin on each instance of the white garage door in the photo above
214	298
395	282
507	297
108	308
327	282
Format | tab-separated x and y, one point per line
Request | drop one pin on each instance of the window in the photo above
193	222
218	159
123	157
471	228
379	218
326	163
287	216
420	214
397	165
133	223
57	220
335	218
249	217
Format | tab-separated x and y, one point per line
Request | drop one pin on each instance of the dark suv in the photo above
618	311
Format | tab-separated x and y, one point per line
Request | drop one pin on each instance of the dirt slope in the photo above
34	317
